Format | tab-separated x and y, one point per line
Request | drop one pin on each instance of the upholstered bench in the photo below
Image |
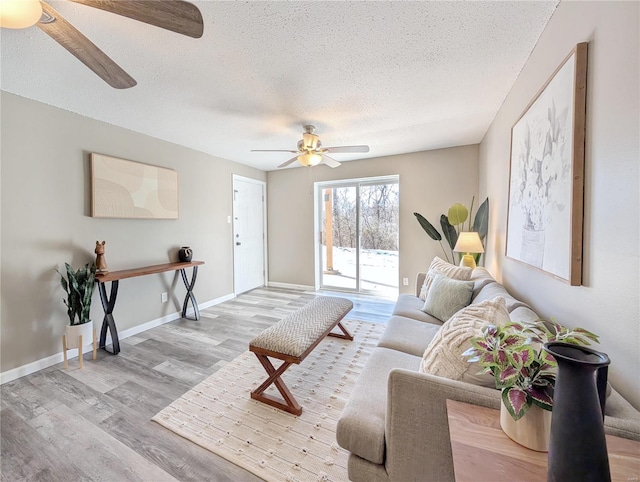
291	340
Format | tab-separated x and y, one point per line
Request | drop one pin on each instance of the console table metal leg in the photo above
108	304
190	295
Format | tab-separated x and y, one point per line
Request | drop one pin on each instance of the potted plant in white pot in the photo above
525	373
79	288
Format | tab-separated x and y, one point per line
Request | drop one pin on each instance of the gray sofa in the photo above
395	423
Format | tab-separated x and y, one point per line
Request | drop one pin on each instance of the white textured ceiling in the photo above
398	76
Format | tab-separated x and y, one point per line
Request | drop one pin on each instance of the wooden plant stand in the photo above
80	357
287	342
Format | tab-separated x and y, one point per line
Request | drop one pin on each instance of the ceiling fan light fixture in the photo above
309	159
19	13
310	151
310	141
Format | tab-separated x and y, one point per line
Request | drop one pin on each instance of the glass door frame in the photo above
319	188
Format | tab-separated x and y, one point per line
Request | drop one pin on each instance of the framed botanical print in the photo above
546	182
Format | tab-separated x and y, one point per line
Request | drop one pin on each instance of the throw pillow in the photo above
447	296
443	357
440	266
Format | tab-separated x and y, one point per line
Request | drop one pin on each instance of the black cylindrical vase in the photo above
577	447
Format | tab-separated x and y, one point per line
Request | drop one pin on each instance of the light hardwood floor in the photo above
95	423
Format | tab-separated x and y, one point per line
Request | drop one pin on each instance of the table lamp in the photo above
468	242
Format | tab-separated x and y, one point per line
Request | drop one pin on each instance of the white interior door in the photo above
248	234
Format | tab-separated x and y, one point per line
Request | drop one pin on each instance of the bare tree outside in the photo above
374	266
379	212
344	218
379	208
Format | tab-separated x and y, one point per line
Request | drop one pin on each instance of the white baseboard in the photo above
217	301
43	363
290	286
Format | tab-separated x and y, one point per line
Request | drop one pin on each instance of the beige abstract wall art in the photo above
127	189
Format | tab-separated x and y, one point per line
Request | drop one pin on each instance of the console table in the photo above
482	451
109	302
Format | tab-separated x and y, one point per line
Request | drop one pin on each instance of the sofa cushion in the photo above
419	281
480	273
443	357
440	266
494	289
523	313
447	296
621	419
410	306
360	429
481	278
407	335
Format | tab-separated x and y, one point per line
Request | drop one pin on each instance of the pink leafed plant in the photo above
522	369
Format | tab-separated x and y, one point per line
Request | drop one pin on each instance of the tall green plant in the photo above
453	223
79	288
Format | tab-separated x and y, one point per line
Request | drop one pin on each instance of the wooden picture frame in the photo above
132	190
546	178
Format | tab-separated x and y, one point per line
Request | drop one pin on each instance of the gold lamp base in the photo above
468	261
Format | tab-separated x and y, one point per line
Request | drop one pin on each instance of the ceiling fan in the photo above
311	153
175	15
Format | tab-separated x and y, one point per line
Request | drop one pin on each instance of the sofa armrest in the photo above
417	437
419	281
621	418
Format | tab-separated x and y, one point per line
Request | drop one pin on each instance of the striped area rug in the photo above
219	415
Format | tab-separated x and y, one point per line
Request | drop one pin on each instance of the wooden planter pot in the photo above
532	430
74	337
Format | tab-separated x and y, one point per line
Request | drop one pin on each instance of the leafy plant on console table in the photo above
522	369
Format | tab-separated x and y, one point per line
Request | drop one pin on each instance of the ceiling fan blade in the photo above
290	161
175	15
329	161
347	149
83	49
272	150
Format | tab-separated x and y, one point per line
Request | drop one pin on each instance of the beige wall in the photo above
45	222
607	303
430	182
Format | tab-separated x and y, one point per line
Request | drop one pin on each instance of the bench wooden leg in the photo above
345	335
290	404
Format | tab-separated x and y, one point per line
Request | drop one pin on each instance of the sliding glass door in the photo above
358	226
339	245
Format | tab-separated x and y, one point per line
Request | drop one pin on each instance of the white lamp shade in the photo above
309	159
469	242
19	13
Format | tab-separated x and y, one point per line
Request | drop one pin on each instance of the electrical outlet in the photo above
164	297
405	281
